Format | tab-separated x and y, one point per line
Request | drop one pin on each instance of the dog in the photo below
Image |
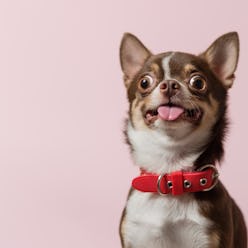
176	128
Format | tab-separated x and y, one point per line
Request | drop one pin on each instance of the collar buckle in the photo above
169	184
204	178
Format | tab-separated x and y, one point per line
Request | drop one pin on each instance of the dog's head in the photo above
178	94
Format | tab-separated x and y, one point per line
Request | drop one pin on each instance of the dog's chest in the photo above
164	222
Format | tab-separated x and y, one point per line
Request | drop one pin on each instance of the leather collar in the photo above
176	183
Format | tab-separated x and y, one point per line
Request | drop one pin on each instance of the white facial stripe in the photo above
166	67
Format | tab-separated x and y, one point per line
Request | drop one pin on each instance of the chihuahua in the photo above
176	128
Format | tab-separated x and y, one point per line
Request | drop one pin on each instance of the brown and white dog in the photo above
176	127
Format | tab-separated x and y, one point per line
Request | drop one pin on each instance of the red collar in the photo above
178	182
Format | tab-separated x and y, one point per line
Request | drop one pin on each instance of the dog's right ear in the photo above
133	55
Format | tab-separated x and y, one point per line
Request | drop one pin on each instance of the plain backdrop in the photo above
65	170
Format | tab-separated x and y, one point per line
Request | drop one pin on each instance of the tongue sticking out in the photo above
169	113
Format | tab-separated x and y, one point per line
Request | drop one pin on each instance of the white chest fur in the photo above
154	221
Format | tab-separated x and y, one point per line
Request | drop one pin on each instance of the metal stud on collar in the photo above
203	181
186	184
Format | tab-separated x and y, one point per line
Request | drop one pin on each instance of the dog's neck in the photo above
158	153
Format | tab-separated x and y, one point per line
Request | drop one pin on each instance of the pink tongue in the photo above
169	113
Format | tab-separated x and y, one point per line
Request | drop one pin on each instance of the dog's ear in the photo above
133	55
222	57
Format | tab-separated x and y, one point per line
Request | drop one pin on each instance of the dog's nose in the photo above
169	87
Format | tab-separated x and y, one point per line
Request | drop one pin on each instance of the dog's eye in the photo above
198	83
145	82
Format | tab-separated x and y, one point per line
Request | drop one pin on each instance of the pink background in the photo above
64	168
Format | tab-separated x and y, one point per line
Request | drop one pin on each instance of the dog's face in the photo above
177	93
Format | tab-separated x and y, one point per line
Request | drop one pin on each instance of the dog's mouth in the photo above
172	113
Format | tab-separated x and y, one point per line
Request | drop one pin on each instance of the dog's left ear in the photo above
222	57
